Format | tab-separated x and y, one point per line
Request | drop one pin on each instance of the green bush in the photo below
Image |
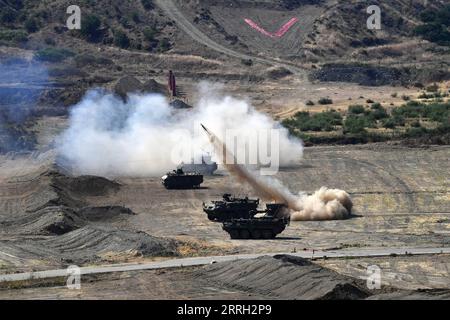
150	34
392	122
415	132
164	45
416	124
325	101
121	39
8	15
53	54
31	25
135	16
389	123
432	88
356	109
436	26
378	112
437	111
125	23
148	4
309	103
90	27
324	121
13	35
354	125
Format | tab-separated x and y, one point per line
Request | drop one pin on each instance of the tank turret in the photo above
230	207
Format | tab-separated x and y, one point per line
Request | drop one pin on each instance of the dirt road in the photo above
191	262
171	10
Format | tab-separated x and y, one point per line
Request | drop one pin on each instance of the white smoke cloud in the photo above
109	137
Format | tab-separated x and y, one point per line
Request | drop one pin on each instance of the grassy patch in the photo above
15	36
362	124
53	54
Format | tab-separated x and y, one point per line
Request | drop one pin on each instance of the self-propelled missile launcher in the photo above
242	220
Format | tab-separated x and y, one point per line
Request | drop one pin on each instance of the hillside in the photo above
279	53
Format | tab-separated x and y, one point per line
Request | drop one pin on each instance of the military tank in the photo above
230	207
178	179
241	219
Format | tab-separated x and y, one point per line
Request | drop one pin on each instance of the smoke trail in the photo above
139	137
324	204
242	173
21	84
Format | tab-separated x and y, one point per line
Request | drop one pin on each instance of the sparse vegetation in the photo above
325	101
148	4
356	109
121	39
8	15
354	125
15	36
150	34
53	54
436	26
90	27
324	121
31	25
432	88
164	45
360	124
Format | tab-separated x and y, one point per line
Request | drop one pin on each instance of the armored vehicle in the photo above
207	167
242	220
230	207
265	224
180	180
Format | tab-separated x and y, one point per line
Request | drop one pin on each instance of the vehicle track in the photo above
172	11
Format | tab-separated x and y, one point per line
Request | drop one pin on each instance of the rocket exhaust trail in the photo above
324	204
243	174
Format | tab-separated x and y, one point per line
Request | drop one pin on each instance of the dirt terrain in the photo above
52	217
279	277
401	198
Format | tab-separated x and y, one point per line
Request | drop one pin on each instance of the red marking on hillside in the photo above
280	33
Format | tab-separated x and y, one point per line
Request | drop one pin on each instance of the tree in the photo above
8	15
148	4
31	25
90	27
354	125
121	39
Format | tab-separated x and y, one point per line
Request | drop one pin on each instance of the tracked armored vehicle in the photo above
230	208
242	220
265	224
178	179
